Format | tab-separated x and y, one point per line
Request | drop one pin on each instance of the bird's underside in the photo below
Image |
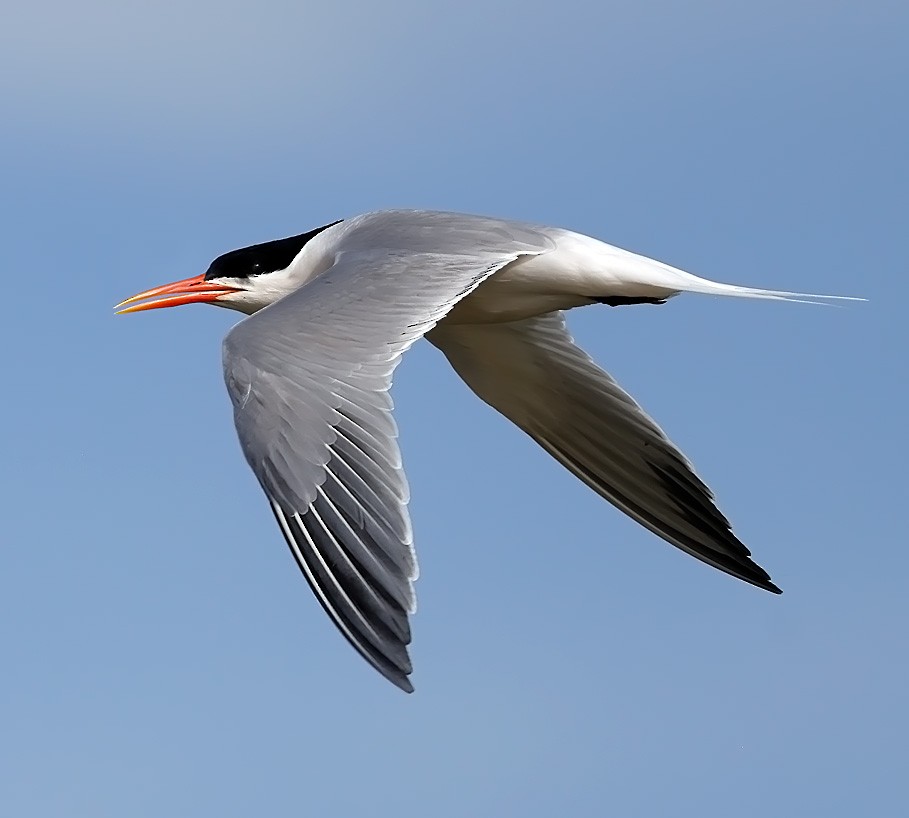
309	379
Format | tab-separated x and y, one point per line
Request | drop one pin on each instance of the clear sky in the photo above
162	655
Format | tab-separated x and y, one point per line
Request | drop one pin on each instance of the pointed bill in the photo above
195	290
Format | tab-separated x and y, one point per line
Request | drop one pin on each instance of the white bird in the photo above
332	312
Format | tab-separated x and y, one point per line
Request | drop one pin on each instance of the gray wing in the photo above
532	372
309	378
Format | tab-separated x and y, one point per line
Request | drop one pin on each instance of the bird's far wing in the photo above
533	373
309	378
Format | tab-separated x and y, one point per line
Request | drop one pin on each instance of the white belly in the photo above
578	271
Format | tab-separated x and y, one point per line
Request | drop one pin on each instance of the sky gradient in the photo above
161	653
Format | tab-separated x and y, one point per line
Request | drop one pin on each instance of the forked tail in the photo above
656	275
695	284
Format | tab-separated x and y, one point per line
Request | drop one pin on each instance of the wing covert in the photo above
309	379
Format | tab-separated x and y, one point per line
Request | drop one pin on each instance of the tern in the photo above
308	373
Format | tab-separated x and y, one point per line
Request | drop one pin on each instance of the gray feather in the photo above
309	376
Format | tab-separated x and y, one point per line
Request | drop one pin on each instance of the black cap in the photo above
261	258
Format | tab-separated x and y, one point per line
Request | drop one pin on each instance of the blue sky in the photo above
161	653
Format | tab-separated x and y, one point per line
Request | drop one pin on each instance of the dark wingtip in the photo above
757	576
404	683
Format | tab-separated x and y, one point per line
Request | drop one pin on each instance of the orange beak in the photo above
188	291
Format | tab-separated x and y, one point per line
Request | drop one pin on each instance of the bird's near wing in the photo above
532	372
309	378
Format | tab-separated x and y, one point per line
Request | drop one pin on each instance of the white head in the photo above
246	279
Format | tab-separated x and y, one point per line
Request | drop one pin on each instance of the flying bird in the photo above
331	313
